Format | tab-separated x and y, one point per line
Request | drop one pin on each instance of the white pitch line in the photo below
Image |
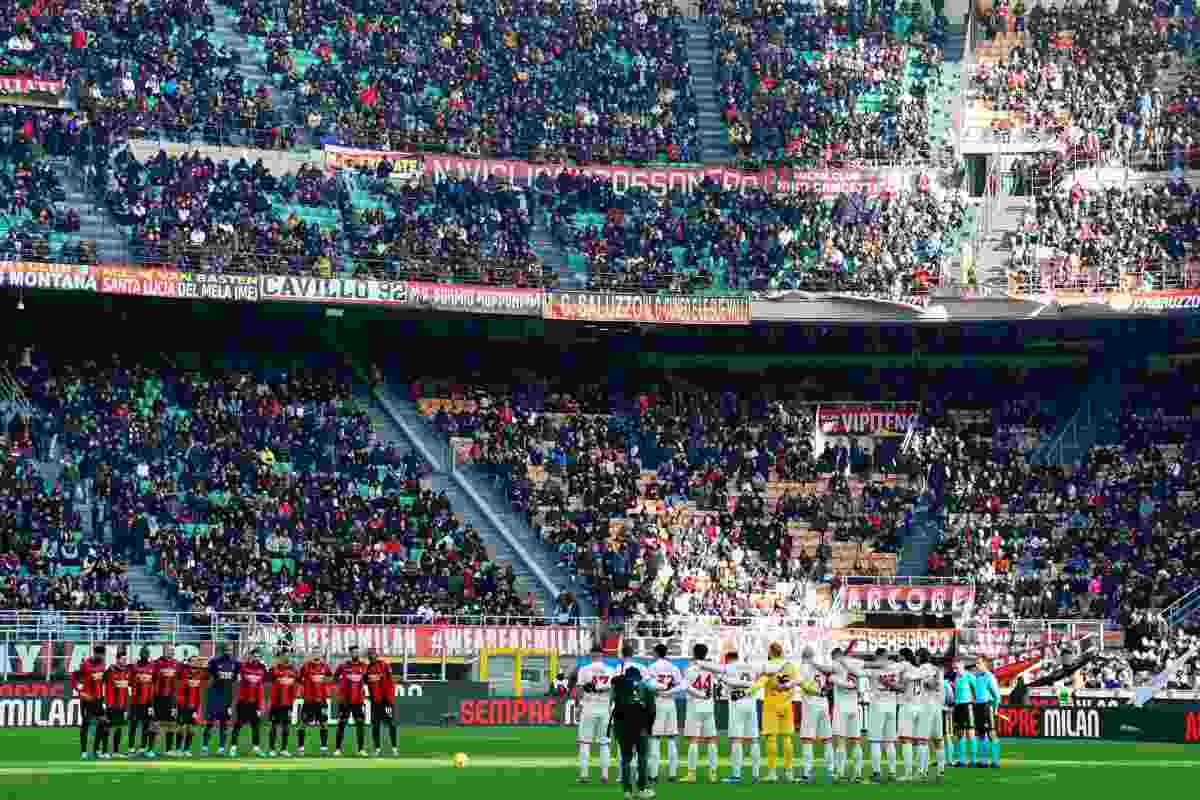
355	763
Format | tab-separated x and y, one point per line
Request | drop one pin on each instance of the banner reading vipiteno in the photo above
414	295
646	308
34	275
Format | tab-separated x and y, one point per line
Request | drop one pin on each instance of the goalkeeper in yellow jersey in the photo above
778	683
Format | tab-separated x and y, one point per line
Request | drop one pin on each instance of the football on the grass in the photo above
460	760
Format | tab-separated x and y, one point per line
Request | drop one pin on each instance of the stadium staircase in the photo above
95	223
475	497
1094	423
148	588
924	532
552	256
252	57
702	59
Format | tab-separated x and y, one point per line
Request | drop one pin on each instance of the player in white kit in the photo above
886	690
737	680
847	679
700	725
594	684
668	680
815	724
938	700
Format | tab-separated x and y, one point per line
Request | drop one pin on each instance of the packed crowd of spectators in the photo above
261	491
678	502
1084	238
597	81
1116	535
890	245
800	84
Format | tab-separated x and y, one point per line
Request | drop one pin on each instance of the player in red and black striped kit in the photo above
317	678
252	679
285	688
166	684
187	702
118	685
383	699
351	688
143	699
89	680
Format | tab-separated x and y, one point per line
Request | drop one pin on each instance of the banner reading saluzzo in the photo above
646	308
403	294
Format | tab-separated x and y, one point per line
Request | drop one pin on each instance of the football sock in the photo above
341	735
324	737
806	750
375	731
221	734
693	756
133	726
392	732
187	740
207	737
858	758
735	759
974	751
170	743
712	755
673	756
789	752
300	739
948	748
840	754
585	751
961	756
116	740
255	735
83	738
923	755
756	758
271	739
995	750
890	749
654	756
233	737
941	759
360	734
605	758
876	757
151	739
287	734
908	758
830	758
772	753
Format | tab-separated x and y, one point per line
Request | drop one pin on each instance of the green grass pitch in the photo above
539	762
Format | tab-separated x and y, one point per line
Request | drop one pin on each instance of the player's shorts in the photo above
185	715
881	722
848	722
347	710
218	712
313	713
962	718
815	723
247	713
593	726
666	718
983	718
701	724
921	721
778	720
91	711
115	715
906	720
281	715
384	712
743	719
140	712
164	709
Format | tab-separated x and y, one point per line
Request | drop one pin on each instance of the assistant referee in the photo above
964	702
987	700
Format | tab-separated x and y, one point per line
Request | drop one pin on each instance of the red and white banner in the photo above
953	599
426	641
15	84
660	180
867	418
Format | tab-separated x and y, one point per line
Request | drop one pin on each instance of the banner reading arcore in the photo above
646	308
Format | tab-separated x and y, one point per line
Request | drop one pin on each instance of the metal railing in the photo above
904	580
996	637
1054	279
1183	608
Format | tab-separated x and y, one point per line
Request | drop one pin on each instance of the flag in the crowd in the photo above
1143	694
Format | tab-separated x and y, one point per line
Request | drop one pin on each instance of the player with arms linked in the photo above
222	676
89	682
382	691
118	683
166	683
593	682
252	680
737	681
191	690
317	680
285	688
779	725
143	701
668	680
351	679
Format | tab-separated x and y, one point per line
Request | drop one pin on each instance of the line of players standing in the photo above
168	696
895	699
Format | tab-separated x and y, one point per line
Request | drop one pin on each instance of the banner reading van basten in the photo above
646	308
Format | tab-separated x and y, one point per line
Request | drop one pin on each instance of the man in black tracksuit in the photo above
632	721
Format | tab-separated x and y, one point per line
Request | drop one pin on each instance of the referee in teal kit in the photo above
964	704
987	701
